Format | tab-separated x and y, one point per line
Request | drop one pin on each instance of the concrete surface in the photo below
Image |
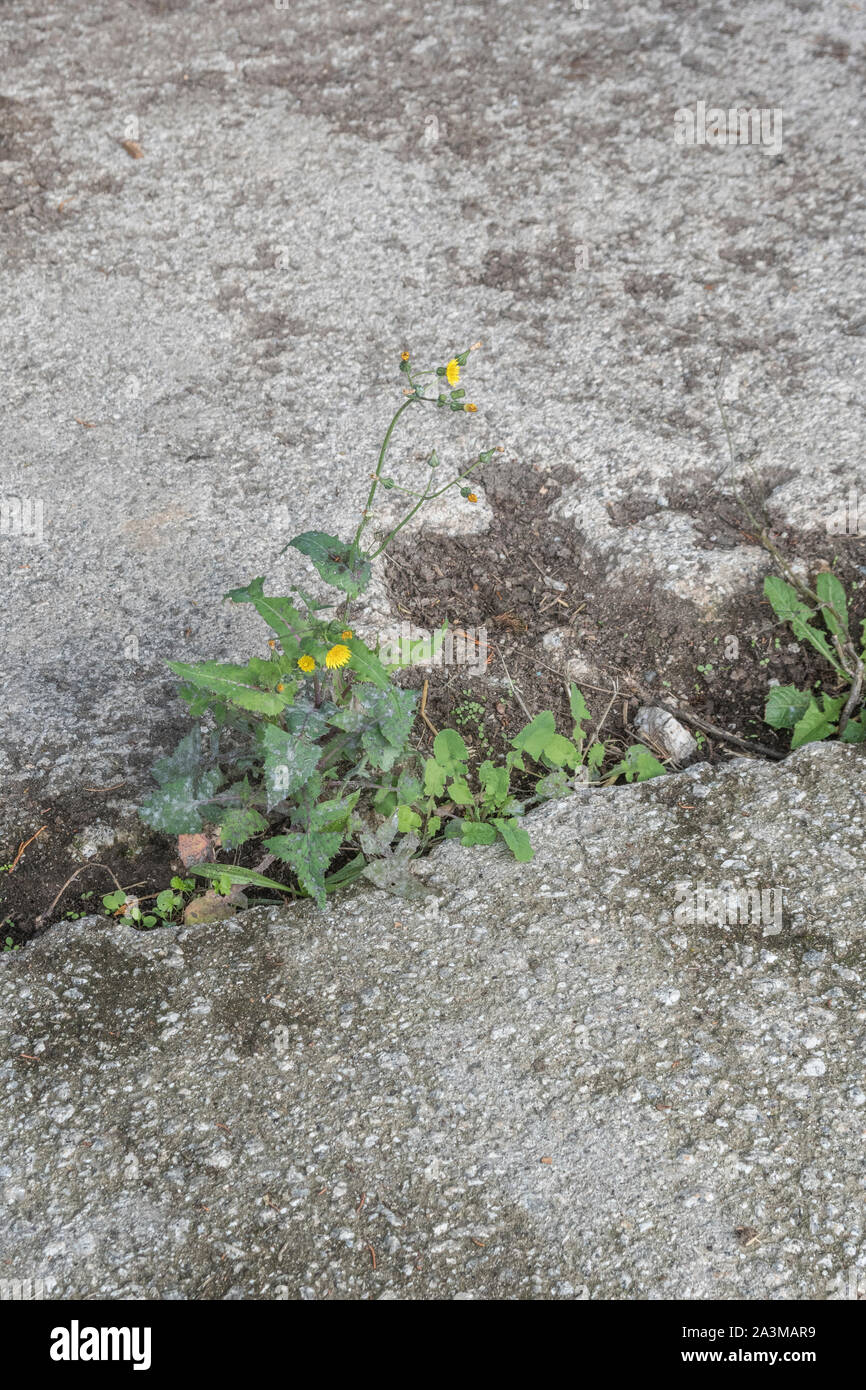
324	185
544	1082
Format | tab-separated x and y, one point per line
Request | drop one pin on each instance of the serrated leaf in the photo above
289	762
494	783
450	752
239	825
554	785
434	778
232	683
459	792
366	664
407	820
804	632
639	764
333	814
337	561
477	832
817	723
175	808
561	751
536	735
579	712
594	759
304	717
381	753
278	612
184	760
308	854
785	705
409	788
392	872
516	838
855	730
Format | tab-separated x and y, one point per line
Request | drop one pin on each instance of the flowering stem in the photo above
378	474
424	497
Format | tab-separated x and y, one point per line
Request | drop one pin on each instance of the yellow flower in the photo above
272	644
471	408
452	372
306	664
337	657
280	687
404	356
346	635
471	497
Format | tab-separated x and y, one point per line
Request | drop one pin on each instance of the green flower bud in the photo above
440	371
441	400
455	395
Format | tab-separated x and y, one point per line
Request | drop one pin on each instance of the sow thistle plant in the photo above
308	749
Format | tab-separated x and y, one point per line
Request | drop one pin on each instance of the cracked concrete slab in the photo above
558	1080
198	342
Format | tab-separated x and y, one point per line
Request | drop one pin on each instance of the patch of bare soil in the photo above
536	587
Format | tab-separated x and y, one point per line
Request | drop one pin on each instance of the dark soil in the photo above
527	576
530	575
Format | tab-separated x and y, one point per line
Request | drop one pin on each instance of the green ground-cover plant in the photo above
308	749
166	907
820	617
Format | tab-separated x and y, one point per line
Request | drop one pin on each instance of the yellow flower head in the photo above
272	644
347	634
471	408
471	497
404	356
452	372
307	664
280	687
337	657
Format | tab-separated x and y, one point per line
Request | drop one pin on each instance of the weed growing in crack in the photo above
308	748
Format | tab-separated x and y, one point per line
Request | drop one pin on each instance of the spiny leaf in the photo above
184	760
233	683
337	562
289	762
308	853
279	613
239	825
175	808
817	723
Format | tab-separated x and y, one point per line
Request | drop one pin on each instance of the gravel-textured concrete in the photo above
198	344
541	1083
